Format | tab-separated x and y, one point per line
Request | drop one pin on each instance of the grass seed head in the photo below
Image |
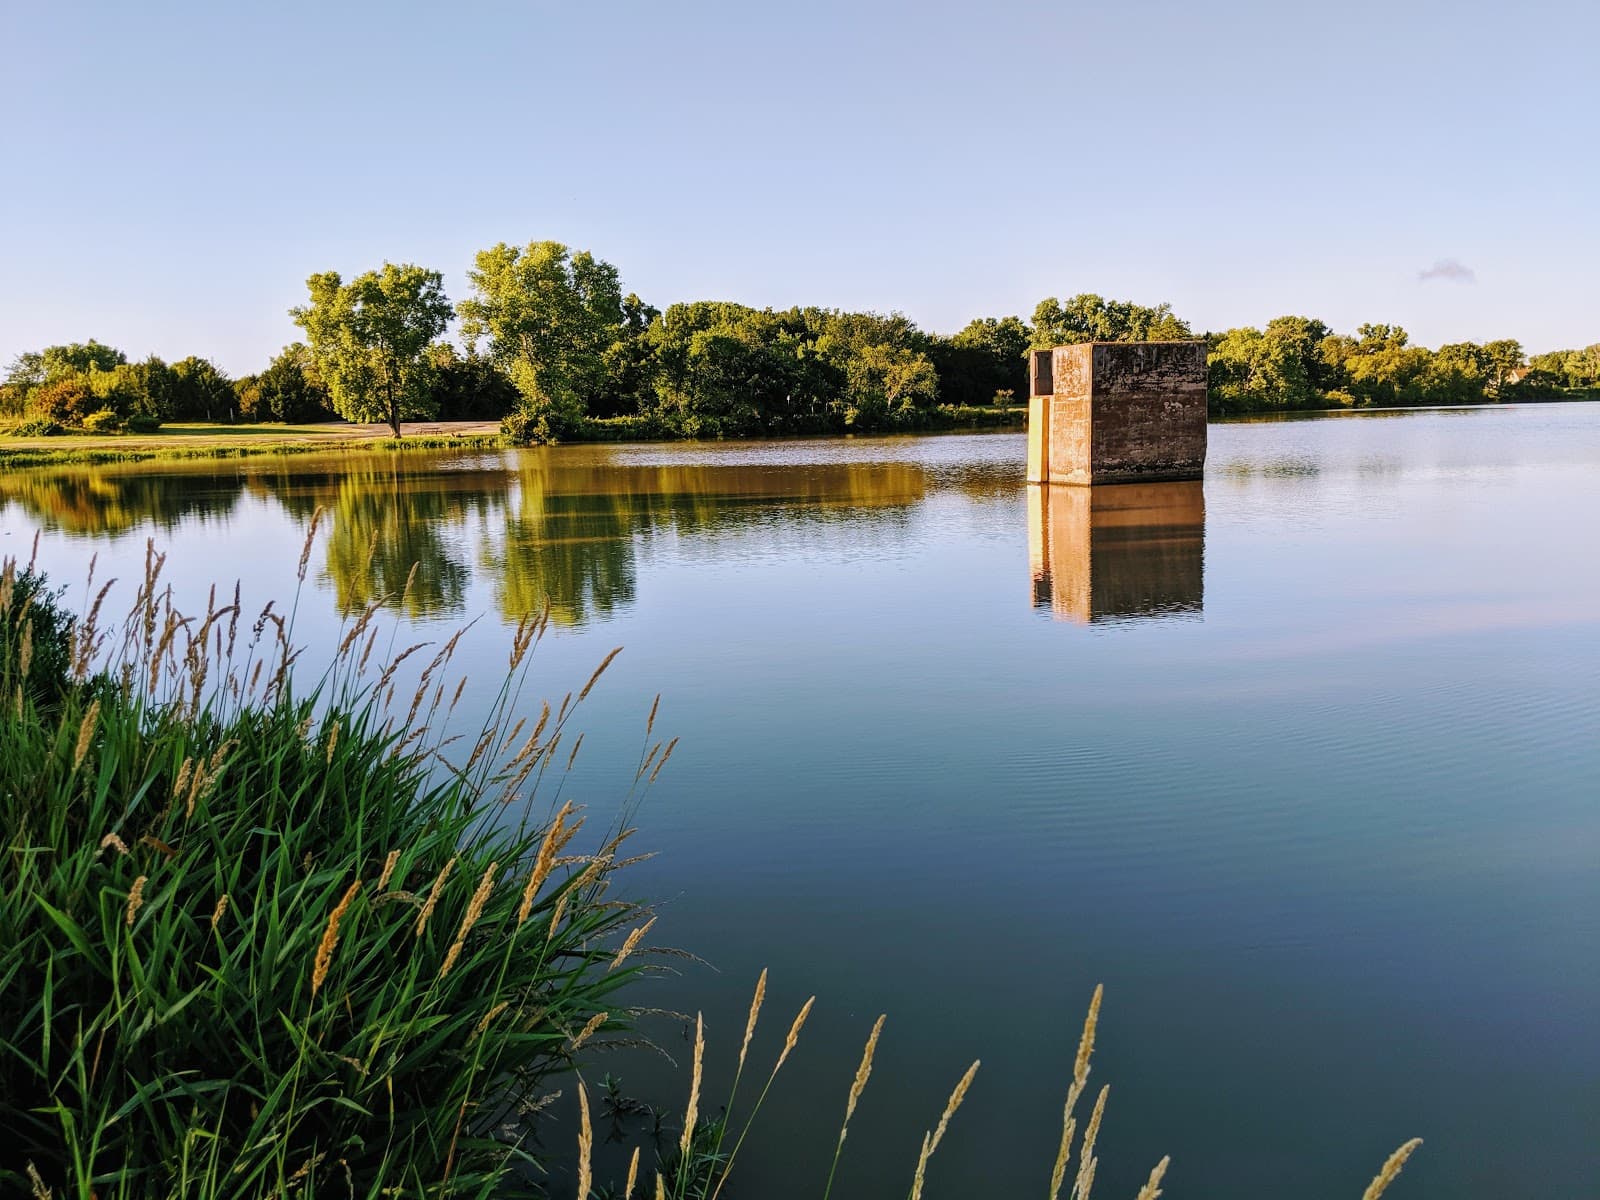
630	944
693	1111
585	1145
956	1097
587	1031
543	862
483	1022
1152	1187
330	938
598	671
480	897
1080	1068
86	733
755	1011
633	1175
1381	1181
433	896
135	901
863	1072
794	1032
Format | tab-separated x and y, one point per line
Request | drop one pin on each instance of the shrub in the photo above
143	423
539	427
255	942
104	421
37	427
66	401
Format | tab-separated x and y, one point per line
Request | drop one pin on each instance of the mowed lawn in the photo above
200	433
205	440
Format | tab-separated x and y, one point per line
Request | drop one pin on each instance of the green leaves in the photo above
1089	318
369	337
551	316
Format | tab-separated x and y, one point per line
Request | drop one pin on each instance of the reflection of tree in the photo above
387	518
571	532
380	531
108	500
574	551
563	526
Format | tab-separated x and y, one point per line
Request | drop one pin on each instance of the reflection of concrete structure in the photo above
1113	412
1129	551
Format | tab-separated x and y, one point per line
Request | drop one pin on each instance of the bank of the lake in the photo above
206	440
202	440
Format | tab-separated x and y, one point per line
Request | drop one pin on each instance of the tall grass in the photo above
698	1168
262	940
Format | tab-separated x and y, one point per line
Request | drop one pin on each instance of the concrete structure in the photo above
1126	552
1117	412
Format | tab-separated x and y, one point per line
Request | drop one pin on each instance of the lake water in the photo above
1303	765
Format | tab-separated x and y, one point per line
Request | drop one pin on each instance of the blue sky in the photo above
174	171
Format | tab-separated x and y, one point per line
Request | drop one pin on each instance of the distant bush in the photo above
37	427
541	426
143	423
104	421
66	401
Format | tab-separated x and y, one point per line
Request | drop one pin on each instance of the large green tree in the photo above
1281	367
551	315
369	339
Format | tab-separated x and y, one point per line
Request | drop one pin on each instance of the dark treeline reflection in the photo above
558	527
1117	552
98	501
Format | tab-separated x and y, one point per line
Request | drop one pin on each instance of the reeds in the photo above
190	897
698	1170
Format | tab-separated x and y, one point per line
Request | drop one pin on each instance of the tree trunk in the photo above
394	410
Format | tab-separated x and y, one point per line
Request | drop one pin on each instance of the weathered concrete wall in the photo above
1119	411
1117	553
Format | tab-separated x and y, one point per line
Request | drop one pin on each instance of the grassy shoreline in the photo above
240	441
202	441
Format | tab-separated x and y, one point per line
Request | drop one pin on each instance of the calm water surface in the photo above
1304	765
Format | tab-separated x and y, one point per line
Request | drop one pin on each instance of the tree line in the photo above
1298	363
553	348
